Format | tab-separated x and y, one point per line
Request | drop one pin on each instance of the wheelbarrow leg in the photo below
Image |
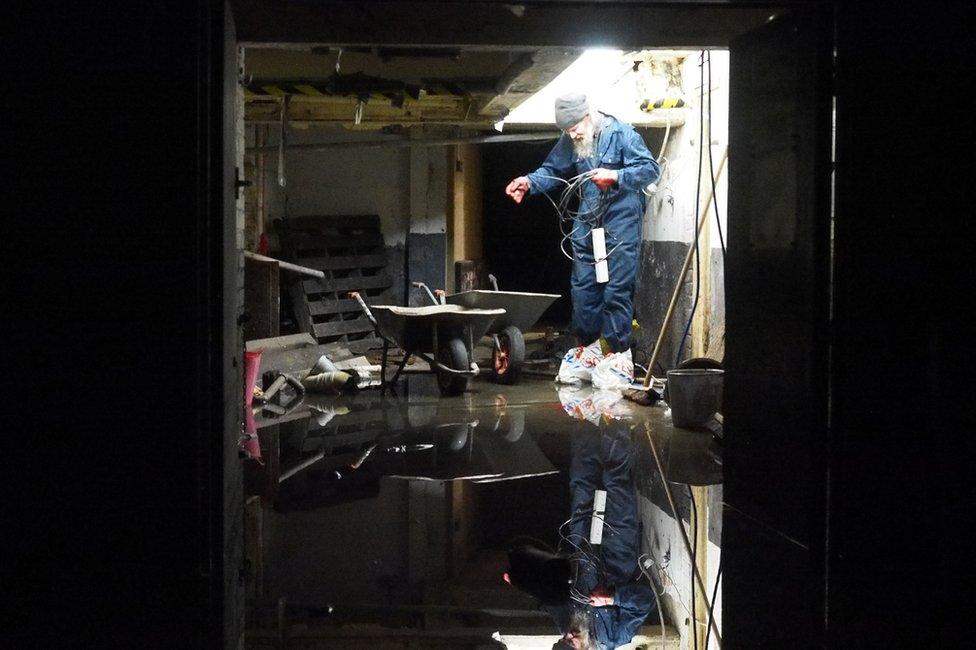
403	364
470	345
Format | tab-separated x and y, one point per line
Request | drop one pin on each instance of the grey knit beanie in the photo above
570	109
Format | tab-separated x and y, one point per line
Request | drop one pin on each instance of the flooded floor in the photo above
417	515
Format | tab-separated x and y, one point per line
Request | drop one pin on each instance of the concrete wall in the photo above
670	217
672	563
427	234
407	188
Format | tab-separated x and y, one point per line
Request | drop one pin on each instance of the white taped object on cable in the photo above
600	255
596	521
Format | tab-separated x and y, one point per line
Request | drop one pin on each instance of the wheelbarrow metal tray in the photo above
412	328
522	310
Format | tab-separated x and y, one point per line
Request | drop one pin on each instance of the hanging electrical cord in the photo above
586	213
664	142
701	133
657	596
711	170
643	559
711	607
582	554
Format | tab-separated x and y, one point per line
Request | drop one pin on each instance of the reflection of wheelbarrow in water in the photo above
449	331
522	311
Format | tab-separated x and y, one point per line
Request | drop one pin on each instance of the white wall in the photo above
406	187
672	567
428	200
670	212
343	181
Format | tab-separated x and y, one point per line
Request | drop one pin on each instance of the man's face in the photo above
580	130
581	134
573	640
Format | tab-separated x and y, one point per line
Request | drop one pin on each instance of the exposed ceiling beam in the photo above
410	142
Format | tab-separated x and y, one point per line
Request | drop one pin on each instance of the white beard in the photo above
585	146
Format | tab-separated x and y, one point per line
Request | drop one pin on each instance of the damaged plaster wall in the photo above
669	224
427	238
670	563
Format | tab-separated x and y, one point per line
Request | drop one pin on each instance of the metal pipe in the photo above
286	266
403	142
305	464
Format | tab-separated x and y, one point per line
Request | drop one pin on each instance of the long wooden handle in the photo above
681	276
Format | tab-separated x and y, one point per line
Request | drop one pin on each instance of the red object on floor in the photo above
252	366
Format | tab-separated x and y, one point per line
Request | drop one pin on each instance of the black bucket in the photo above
695	395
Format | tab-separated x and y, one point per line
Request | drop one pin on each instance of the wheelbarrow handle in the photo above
421	285
362	305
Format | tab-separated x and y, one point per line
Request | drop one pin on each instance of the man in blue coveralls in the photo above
612	198
599	599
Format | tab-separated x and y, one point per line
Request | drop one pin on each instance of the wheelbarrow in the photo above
447	331
522	312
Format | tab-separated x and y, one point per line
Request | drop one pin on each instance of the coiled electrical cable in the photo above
582	553
585	213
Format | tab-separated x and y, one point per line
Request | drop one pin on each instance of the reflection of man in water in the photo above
596	594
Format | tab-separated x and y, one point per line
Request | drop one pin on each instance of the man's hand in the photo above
604	178
601	597
518	188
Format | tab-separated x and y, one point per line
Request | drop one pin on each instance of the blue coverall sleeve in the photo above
639	167
634	602
558	164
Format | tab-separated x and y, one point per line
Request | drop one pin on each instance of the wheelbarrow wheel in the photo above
454	355
507	359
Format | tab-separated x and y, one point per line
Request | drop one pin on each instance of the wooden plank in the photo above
364	345
365	221
299	302
328	306
261	299
339	327
287	342
303	317
700	495
340	262
306	241
378	281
